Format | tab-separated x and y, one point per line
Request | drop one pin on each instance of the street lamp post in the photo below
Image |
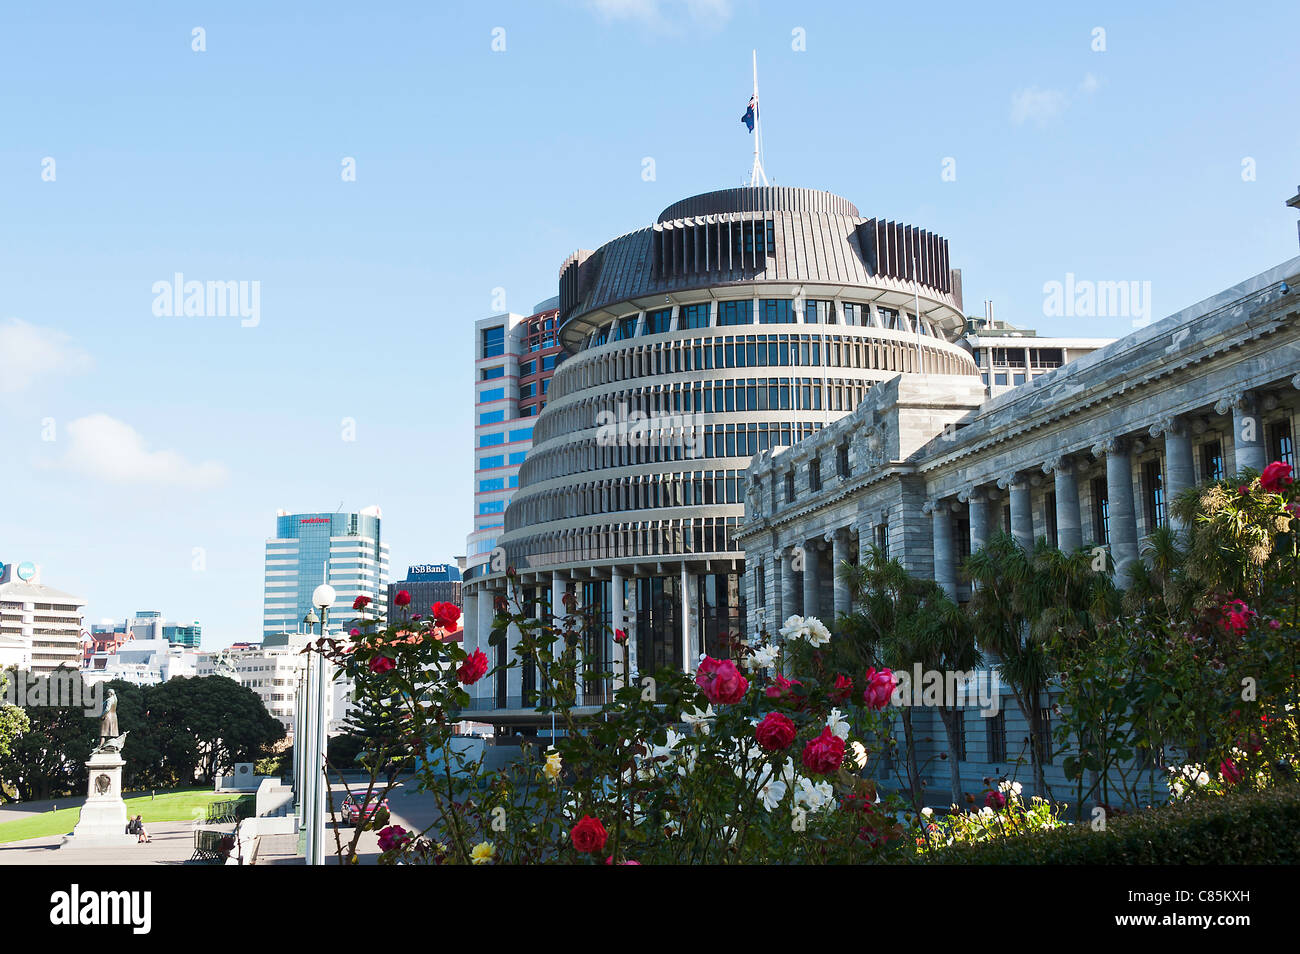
323	598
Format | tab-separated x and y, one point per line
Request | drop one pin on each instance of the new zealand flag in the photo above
750	114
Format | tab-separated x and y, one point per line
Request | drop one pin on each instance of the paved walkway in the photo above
172	844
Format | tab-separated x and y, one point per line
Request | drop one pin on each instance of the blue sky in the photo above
478	169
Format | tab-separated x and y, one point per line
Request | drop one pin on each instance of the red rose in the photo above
381	665
445	614
823	755
775	732
392	837
1231	774
620	636
361	602
843	689
588	836
1276	477
781	687
880	686
473	668
354	632
402	598
720	681
994	800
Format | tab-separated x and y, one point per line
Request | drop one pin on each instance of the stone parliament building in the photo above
851	419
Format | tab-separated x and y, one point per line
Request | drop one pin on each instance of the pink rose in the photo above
995	801
381	664
823	755
720	681
781	687
880	687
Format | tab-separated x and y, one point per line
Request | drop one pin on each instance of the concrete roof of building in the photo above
38	591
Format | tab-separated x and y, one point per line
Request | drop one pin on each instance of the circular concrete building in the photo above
740	321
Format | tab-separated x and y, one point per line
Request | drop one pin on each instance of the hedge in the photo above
1236	829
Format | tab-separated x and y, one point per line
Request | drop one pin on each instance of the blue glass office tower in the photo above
308	549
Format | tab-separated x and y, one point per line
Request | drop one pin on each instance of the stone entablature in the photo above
1090	453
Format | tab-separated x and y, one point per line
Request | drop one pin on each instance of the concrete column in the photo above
485	688
1121	512
788	598
811	580
1069	525
1247	430
633	618
617	621
1022	513
1179	473
945	566
689	642
839	556
558	614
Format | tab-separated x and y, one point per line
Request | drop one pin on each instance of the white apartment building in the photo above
40	627
275	670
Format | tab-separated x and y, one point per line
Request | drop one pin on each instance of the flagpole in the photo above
757	175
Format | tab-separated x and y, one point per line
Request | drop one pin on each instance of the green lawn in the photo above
178	805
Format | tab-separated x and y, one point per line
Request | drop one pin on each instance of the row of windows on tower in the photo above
771	311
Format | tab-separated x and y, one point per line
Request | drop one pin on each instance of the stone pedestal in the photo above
103	817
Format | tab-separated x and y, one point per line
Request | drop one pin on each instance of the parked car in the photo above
355	811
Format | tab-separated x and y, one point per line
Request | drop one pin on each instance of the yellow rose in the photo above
552	767
483	853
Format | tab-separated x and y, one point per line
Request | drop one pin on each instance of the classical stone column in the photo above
785	570
839	540
1247	430
1069	525
1119	496
1022	514
617	621
945	565
811	580
979	518
1179	473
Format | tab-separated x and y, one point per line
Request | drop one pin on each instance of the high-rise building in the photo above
514	358
428	583
342	549
38	623
740	321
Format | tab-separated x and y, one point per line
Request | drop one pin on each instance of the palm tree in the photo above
1019	601
900	621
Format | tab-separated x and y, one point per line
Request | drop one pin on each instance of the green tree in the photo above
226	722
47	760
13	723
